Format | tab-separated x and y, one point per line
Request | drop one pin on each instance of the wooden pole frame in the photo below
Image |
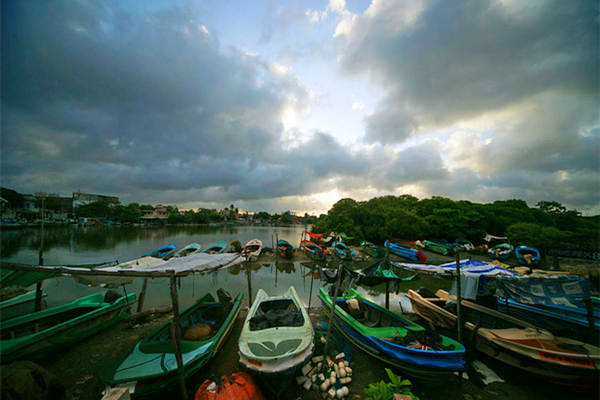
459	319
333	304
176	336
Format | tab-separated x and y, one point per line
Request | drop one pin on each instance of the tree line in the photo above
547	225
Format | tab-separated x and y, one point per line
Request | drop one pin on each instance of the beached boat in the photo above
517	343
395	340
405	252
19	305
500	252
285	249
379	272
342	251
187	250
372	250
151	366
277	336
252	249
438	247
313	250
38	334
527	255
162	251
464	245
216	248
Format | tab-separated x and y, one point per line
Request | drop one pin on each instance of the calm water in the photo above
77	245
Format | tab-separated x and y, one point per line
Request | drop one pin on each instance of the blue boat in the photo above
216	248
405	252
561	320
343	251
525	252
162	251
399	342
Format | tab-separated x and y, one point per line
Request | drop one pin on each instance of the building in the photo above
160	212
80	198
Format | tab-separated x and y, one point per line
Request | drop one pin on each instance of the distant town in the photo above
19	209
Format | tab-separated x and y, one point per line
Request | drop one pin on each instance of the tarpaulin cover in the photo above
470	266
316	236
565	290
489	237
10	277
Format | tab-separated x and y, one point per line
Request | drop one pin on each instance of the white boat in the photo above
277	336
252	249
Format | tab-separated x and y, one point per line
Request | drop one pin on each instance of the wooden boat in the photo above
216	248
252	249
395	340
314	251
500	252
285	249
187	250
527	255
34	336
437	247
405	252
19	305
371	250
518	343
162	251
377	273
342	251
464	245
151	366
277	336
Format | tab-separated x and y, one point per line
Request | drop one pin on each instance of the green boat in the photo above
399	342
151	367
34	336
19	305
372	250
439	248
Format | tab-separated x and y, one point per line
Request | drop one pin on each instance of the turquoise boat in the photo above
162	251
216	248
372	250
34	336
151	366
399	342
440	248
187	250
343	251
500	252
18	305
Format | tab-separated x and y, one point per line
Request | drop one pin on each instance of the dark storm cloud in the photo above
460	59
100	99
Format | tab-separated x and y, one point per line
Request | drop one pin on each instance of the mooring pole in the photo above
459	319
38	285
276	248
248	275
335	293
387	282
176	336
142	295
312	277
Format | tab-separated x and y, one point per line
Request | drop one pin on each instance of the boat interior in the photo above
276	313
369	315
206	319
43	323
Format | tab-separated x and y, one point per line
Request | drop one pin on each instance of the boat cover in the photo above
570	290
470	266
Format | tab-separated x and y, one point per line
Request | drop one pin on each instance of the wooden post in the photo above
249	278
335	293
459	319
276	248
176	336
591	325
387	294
142	295
38	285
312	277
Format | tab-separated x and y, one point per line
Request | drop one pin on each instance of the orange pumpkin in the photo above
239	386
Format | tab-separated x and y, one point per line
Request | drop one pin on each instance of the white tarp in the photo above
489	237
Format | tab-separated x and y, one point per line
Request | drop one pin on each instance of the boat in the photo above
314	251
464	245
151	367
379	272
527	255
216	248
397	341
405	252
187	250
285	249
438	247
34	336
252	249
277	336
517	343
371	250
560	320
343	251
18	305
162	251
501	251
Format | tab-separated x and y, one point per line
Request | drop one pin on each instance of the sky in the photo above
273	105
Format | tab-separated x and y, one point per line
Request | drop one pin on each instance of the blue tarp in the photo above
470	266
569	290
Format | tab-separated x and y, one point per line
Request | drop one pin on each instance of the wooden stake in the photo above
335	293
176	336
38	296
38	285
312	277
459	319
142	295
249	277
387	294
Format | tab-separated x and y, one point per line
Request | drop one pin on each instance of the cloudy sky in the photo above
275	105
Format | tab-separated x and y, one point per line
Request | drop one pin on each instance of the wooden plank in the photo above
67	271
117	393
